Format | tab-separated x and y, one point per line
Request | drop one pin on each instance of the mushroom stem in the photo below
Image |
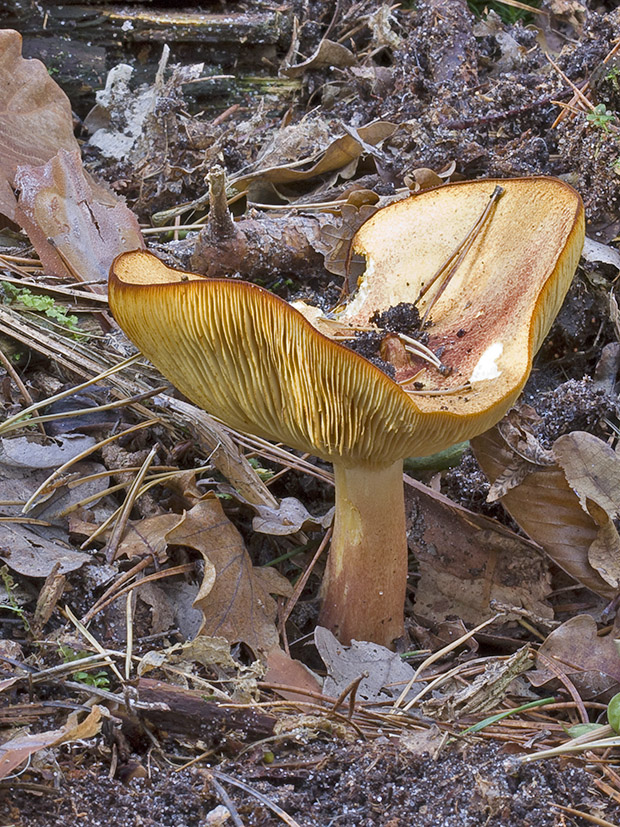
366	575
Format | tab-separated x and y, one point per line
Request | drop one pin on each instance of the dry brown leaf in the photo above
71	219
383	673
148	536
35	116
17	750
327	54
604	553
76	226
548	510
466	560
33	556
234	597
592	469
340	153
338	238
284	671
592	662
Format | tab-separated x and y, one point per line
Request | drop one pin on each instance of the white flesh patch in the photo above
486	368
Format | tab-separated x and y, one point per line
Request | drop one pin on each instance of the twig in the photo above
286	818
226	801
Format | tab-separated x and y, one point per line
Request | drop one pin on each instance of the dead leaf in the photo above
339	154
327	54
548	510
31	452
148	536
338	237
604	553
289	517
68	217
384	672
467	560
592	469
162	610
284	671
17	750
595	252
591	661
234	597
33	556
71	219
35	116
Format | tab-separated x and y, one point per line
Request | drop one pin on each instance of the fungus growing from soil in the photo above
487	265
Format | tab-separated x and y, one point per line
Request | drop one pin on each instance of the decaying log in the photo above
185	712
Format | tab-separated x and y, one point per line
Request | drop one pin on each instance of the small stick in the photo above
286	818
458	255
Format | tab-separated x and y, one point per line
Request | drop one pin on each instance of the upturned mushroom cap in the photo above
252	360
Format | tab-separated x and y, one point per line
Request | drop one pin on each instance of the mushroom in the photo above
487	265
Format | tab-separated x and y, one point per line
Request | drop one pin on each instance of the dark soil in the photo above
321	785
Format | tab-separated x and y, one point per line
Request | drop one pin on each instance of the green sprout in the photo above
40	304
100	680
12	605
600	117
508	14
613	76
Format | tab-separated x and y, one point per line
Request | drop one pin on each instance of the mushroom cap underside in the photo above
249	358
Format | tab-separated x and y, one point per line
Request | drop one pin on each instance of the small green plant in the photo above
12	605
508	14
99	680
41	304
613	76
264	473
600	117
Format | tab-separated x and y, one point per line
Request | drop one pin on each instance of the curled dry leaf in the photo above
76	226
592	469
17	750
33	556
73	223
288	518
327	54
592	662
467	560
35	116
340	153
548	510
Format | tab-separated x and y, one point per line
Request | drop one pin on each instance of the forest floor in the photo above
112	710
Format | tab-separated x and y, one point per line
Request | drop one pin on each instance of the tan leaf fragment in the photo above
592	469
340	153
467	560
234	597
33	556
289	517
591	661
548	510
35	116
148	536
17	750
74	224
327	54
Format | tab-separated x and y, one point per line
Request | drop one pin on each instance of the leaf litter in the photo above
392	118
